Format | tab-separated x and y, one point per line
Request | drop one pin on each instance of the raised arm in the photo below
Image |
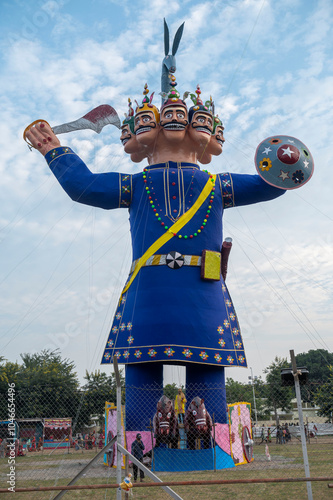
244	189
104	190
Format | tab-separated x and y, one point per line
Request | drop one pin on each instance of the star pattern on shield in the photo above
266	151
288	151
284	175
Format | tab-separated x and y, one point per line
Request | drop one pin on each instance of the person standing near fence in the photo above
137	452
278	435
180	401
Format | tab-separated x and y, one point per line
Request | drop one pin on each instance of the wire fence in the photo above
47	439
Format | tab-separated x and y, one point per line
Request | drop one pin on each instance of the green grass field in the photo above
286	462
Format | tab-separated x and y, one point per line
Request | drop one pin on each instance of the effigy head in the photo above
164	415
201	124
174	113
217	139
146	119
128	137
129	117
200	108
170	61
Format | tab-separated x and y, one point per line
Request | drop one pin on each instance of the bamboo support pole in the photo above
173	483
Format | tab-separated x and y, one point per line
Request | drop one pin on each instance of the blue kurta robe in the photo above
168	315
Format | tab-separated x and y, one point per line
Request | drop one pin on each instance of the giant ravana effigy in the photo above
175	307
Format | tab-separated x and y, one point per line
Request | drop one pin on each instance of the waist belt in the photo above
174	260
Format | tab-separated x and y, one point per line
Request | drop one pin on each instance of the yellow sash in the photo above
177	226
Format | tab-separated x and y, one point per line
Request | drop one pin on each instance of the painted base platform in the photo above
170	460
54	444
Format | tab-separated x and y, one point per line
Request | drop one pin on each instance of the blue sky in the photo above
268	66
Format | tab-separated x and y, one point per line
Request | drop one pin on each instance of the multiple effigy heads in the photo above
193	134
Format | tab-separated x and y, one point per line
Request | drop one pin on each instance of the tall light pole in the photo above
252	380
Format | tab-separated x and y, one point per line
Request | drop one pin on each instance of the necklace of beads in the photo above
159	219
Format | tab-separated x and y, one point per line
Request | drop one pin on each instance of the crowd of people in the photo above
89	441
283	433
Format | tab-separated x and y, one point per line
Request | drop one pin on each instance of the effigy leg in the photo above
208	382
144	387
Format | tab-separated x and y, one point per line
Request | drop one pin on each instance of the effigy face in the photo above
128	140
200	134
145	128
202	126
131	145
200	129
214	147
216	142
174	122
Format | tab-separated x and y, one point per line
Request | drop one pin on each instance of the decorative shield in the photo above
174	260
284	162
247	444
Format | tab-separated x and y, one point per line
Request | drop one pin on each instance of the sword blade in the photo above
95	120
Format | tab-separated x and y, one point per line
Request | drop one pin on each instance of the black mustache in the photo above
127	137
150	125
202	126
175	121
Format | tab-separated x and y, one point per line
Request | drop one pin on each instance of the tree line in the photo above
46	386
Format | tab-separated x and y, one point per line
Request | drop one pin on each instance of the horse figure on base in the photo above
165	423
198	423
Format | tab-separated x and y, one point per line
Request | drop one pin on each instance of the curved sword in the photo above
95	120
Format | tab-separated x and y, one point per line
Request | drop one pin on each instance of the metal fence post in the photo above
119	455
301	423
